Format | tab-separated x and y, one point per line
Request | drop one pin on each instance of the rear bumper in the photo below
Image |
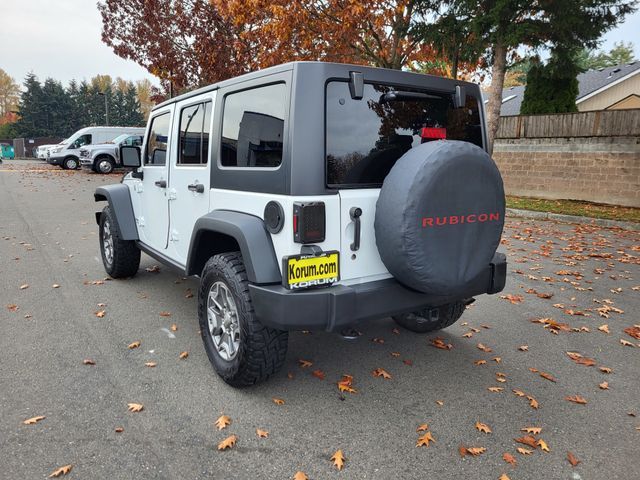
334	308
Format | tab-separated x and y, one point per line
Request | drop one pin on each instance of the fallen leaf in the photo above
507	457
572	459
88	361
278	401
497	359
395	354
305	363
475	451
300	476
228	442
604	386
576	399
318	374
24	287
55	285
438	342
514	299
61	471
135	407
527	440
338	459
605	370
532	430
547	376
150	364
604	328
484	348
34	420
134	345
523	348
633	332
579	359
495	389
533	403
223	422
262	433
626	343
173	327
483	427
440	402
379	372
12	307
543	445
153	269
408	362
524	451
165	314
480	362
462	450
422	428
183	355
119	429
504	476
100	313
519	393
424	440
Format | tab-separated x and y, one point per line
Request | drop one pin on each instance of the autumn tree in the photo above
9	94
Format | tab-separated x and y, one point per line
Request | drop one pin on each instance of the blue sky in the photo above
61	39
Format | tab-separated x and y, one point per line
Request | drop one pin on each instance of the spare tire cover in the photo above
439	216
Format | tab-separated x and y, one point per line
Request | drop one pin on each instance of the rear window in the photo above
366	137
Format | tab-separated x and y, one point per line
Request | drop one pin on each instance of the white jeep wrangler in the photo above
312	196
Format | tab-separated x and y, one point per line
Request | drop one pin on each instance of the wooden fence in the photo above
604	123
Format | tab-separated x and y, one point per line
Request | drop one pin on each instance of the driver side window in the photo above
82	140
156	151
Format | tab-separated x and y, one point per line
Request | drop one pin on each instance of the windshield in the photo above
366	137
119	138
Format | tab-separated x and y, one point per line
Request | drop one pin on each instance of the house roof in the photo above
590	83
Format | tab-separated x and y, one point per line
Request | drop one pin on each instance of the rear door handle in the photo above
355	213
161	183
196	187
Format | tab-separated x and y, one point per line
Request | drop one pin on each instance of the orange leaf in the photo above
150	364
527	440
512	298
507	457
604	328
605	370
576	399
61	471
305	363
173	327
318	374
338	459
495	389
483	427
579	359
12	307
346	388
33	420
424	440
480	362
532	430
572	459
133	345
524	451
438	342
475	451
222	422
484	348
228	442
532	402
183	355
379	372
504	476
278	401
547	376
165	314
300	476
543	445
604	386
523	348
100	313
262	433
519	393
422	428
633	332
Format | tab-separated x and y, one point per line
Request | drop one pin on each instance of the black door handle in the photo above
355	213
161	183
196	187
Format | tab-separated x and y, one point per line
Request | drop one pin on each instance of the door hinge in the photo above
173	194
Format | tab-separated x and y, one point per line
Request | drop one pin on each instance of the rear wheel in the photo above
431	319
104	165
242	350
121	258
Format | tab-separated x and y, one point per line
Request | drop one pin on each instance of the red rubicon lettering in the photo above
460	219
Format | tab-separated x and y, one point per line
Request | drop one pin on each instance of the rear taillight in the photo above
433	133
308	222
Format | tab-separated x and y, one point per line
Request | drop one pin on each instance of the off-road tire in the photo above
262	350
126	254
431	319
70	163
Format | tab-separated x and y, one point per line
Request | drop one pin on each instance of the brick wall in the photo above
596	169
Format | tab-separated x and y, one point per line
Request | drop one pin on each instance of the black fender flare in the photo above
119	199
249	233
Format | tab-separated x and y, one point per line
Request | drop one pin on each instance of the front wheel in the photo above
121	258
104	165
70	163
431	319
242	350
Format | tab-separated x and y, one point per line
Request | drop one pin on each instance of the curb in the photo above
557	217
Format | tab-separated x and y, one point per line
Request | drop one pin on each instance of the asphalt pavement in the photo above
49	247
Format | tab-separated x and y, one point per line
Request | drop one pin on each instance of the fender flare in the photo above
249	233
119	199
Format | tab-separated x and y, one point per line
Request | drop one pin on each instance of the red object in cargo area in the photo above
433	133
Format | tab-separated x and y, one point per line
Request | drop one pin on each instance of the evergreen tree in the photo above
30	123
135	118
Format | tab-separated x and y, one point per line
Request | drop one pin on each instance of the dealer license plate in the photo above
304	271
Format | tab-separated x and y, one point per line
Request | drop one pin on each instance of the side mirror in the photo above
130	156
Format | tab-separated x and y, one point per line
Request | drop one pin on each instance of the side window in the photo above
137	141
195	121
156	151
253	127
82	140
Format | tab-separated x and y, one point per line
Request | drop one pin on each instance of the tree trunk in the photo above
498	71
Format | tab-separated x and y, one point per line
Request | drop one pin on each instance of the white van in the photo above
67	154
